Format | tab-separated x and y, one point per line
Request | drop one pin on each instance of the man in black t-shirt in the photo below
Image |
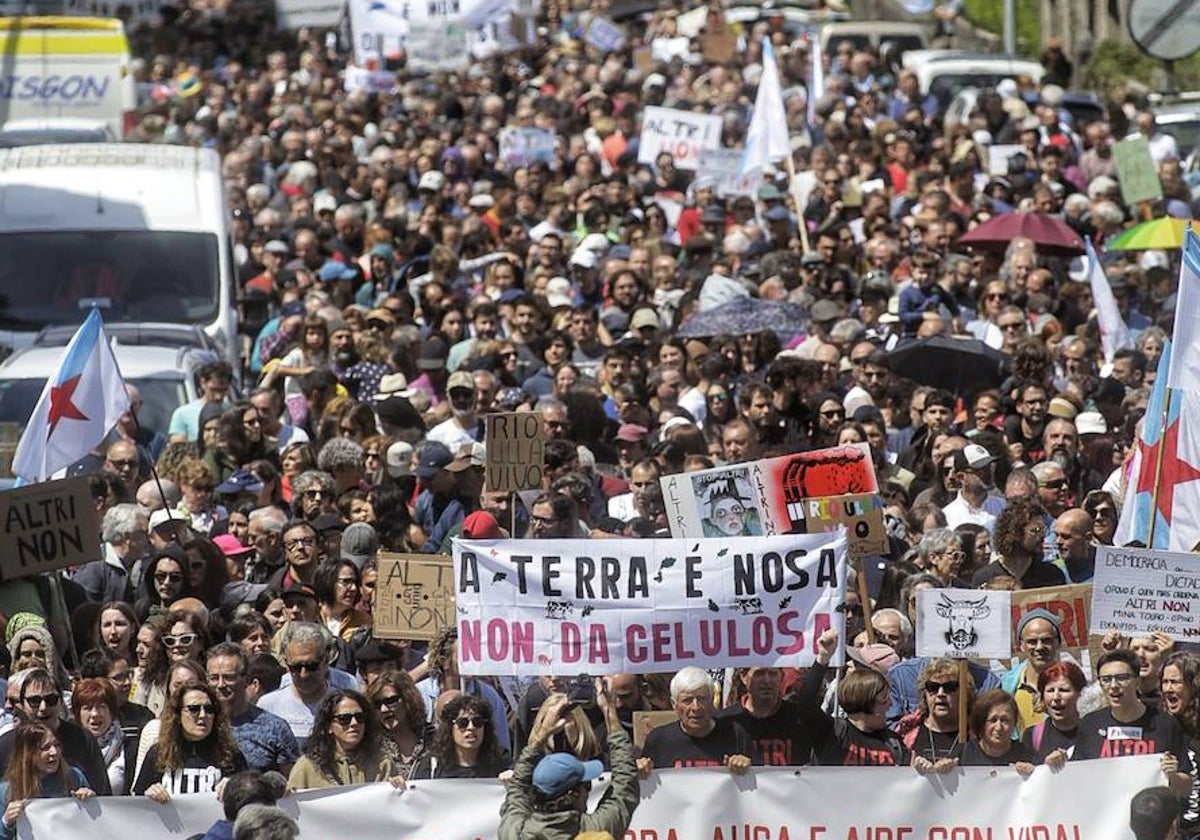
698	739
772	722
1128	727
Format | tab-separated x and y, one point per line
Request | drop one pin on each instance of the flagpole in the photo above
794	189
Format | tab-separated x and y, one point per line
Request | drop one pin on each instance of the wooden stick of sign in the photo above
864	598
964	676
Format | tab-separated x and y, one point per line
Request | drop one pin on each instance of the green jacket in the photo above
520	820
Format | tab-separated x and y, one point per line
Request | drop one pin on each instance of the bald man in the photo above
1076	546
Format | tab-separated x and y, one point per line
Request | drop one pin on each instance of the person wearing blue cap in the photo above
548	793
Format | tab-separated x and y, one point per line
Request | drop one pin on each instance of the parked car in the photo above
944	73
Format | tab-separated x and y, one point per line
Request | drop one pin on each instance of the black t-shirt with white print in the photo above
670	746
1103	736
200	772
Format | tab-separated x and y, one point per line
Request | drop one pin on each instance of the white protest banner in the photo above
682	133
723	165
1086	800
369	81
523	146
296	14
529	607
1138	591
963	623
378	28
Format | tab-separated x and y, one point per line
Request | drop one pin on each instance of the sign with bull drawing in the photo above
964	623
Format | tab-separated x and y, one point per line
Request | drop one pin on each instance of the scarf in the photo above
112	742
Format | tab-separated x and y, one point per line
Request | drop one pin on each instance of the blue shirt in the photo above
265	740
906	694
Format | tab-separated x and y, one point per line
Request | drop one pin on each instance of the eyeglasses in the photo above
1054	484
347	582
833	412
36	701
168	577
253	421
465	723
1015	325
932	687
304	667
995	296
300	542
317	494
385	702
736	510
182	640
132	462
197	709
347	718
506	356
1105	513
1115	679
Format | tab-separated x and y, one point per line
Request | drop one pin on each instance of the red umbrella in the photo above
1052	236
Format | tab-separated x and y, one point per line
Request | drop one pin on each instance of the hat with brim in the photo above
878	657
558	773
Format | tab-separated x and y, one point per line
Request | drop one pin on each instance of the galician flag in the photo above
1114	332
78	407
767	138
1169	470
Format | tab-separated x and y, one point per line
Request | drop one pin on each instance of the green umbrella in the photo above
1162	234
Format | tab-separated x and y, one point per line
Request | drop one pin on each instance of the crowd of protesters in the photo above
400	282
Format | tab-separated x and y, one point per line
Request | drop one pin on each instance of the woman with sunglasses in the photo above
239	441
185	637
336	585
402	714
931	732
178	673
164	582
37	769
1100	506
828	414
195	751
348	746
465	745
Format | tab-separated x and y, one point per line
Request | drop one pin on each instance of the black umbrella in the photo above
747	316
962	366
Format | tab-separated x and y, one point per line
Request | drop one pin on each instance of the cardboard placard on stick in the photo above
415	596
862	514
643	722
48	526
515	443
1136	171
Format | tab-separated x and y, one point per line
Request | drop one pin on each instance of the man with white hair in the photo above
699	739
126	542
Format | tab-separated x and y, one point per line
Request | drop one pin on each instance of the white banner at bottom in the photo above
1087	800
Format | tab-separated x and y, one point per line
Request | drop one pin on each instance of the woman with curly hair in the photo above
931	732
402	714
465	744
1180	693
196	484
37	770
195	751
348	746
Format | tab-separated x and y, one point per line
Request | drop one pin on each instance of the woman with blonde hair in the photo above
577	738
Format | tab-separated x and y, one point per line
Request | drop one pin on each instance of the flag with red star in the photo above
79	406
1163	482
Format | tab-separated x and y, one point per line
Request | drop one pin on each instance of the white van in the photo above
945	73
140	231
66	69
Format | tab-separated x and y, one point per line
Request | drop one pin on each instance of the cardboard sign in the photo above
48	526
643	722
683	134
1136	171
964	623
523	146
620	606
414	597
1139	592
719	44
515	444
863	517
1071	604
767	497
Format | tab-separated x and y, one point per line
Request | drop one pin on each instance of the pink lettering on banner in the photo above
505	641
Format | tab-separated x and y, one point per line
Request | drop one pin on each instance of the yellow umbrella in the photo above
1155	235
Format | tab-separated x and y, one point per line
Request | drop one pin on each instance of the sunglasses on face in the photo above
385	702
168	577
182	640
36	701
347	718
933	687
304	667
465	723
196	709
